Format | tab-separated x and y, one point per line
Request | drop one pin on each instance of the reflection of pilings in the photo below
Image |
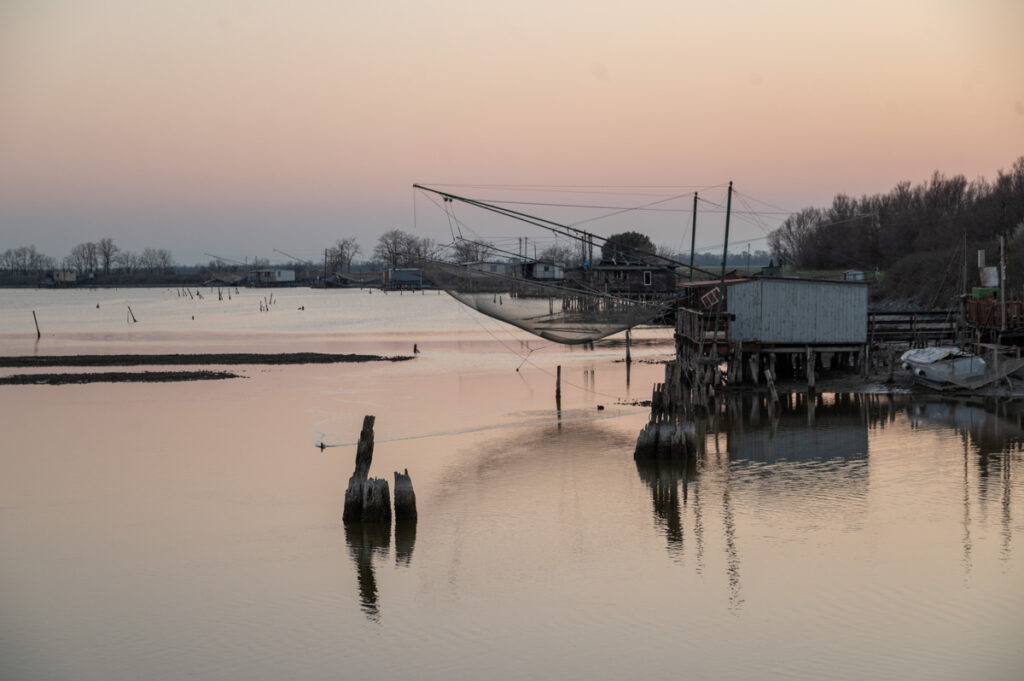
732	558
698	527
1004	554
405	540
663	477
364	542
967	510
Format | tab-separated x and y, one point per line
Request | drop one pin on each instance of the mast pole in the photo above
725	249
725	253
1002	271
693	234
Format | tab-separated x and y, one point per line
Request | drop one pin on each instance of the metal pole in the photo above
725	253
1002	281
693	234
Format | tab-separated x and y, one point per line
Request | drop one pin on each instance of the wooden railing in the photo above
989	313
698	326
912	325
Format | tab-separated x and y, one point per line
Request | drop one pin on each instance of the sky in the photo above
238	127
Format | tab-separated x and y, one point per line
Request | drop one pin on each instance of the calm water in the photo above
193	530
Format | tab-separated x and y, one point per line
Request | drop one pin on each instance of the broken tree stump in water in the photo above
367	500
405	497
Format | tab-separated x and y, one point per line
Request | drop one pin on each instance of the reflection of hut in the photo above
840	428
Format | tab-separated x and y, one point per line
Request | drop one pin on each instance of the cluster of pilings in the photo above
671	433
368	500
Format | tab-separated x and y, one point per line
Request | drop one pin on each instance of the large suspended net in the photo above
564	299
557	310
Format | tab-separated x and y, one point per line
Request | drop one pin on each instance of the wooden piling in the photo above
405	497
364	450
770	380
367	500
810	369
558	386
628	359
36	320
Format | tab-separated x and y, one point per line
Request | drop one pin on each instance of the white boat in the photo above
944	367
951	368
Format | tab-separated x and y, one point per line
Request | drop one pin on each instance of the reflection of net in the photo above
555	311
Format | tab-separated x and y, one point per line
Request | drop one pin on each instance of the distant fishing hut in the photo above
791	327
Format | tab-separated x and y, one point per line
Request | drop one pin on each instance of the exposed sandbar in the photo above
116	377
27	361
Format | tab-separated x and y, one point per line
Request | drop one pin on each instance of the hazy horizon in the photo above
237	128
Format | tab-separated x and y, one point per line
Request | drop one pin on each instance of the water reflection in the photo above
367	541
994	430
805	461
665	478
405	540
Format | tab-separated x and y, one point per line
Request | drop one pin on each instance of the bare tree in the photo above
396	248
128	261
83	258
341	254
156	259
107	253
792	241
25	260
465	250
560	254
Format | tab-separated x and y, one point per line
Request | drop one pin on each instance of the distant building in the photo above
628	281
271	277
500	269
405	278
60	278
543	270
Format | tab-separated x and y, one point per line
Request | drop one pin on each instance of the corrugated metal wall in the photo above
797	311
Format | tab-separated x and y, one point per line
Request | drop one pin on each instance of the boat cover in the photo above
930	355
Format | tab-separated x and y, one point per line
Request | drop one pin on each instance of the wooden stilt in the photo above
810	369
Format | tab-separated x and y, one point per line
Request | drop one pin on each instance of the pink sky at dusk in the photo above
240	127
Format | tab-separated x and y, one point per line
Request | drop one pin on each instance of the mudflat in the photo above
27	361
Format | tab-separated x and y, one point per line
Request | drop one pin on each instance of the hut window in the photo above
647	278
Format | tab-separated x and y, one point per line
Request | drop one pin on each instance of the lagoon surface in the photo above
193	530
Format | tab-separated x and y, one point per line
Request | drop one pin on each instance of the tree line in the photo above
90	257
882	229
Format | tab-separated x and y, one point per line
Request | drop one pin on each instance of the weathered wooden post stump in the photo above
376	501
367	500
405	497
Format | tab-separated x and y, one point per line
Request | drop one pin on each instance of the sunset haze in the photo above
247	126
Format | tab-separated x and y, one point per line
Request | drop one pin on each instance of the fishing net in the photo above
559	311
